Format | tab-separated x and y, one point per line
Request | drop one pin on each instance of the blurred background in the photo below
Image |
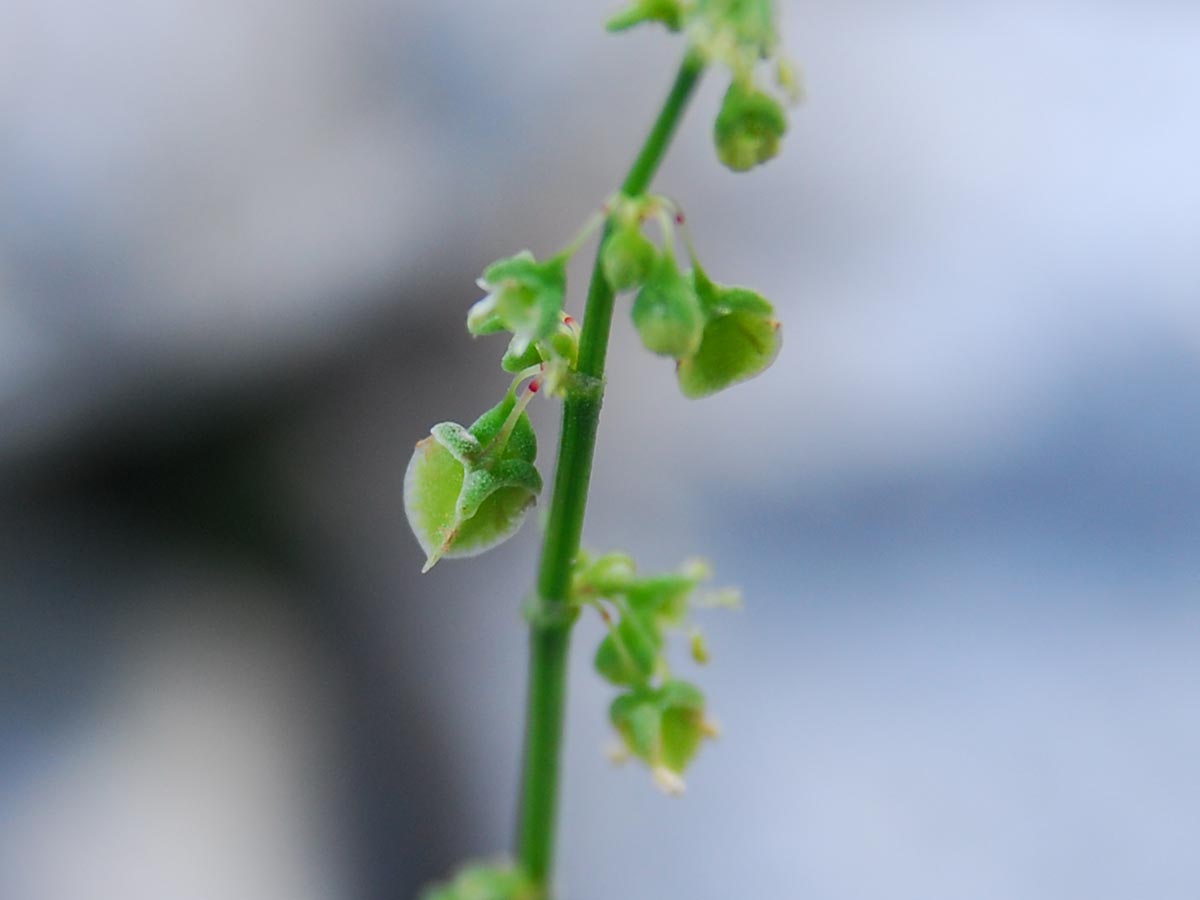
237	242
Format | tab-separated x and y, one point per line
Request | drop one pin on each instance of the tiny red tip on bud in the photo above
568	320
678	218
535	386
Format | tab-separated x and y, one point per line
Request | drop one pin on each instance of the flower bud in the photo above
748	127
468	489
667	313
628	258
740	340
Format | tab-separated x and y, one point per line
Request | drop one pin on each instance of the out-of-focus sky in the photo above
237	242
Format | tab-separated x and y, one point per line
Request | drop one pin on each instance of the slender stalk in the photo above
552	617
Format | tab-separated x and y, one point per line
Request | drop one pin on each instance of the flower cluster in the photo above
718	335
661	720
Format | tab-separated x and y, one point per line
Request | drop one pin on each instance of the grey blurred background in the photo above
237	242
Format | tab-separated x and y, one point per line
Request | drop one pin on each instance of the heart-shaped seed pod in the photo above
735	348
468	489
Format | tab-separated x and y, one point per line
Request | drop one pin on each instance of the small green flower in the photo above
749	127
524	297
468	489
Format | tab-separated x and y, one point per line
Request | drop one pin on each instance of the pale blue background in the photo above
237	240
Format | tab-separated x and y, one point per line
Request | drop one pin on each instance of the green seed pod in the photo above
667	312
741	338
668	12
748	127
736	347
628	258
467	490
630	653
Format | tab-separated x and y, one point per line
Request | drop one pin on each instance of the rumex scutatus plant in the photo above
469	488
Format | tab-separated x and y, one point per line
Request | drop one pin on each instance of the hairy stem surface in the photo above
552	617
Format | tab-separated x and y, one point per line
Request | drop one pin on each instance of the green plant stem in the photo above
552	616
